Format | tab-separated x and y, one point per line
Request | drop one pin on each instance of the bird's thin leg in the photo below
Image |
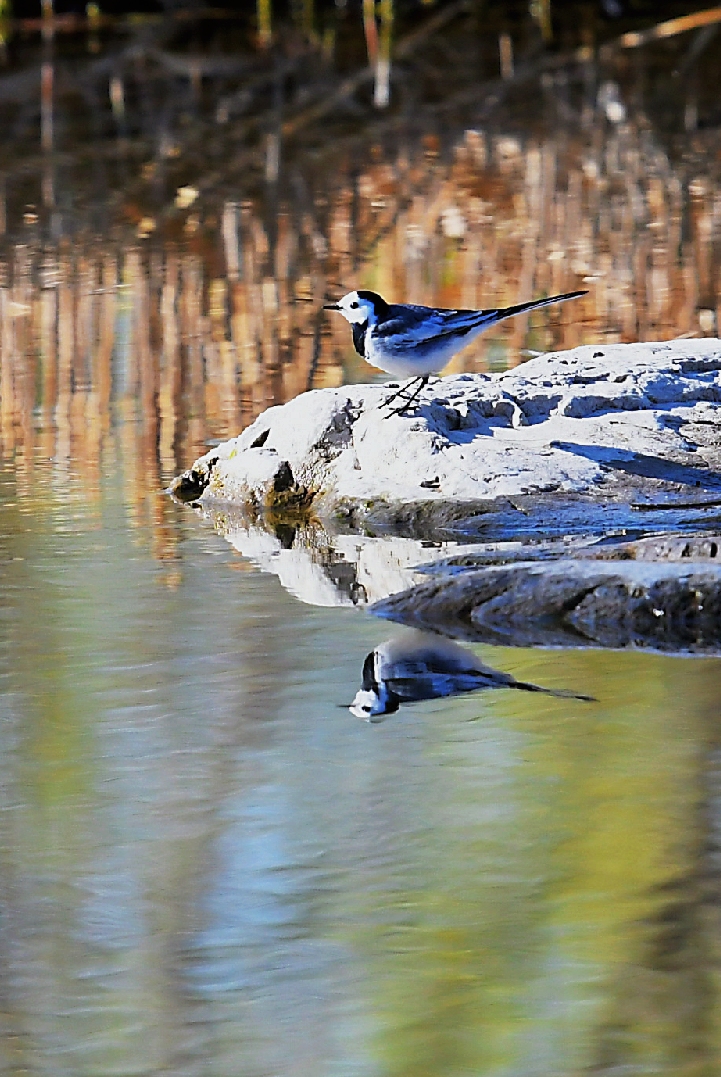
413	388
394	396
420	386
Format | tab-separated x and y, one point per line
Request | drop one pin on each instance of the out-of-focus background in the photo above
206	866
182	187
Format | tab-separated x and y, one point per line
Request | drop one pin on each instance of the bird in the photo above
410	341
420	666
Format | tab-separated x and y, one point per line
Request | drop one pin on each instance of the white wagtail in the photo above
422	666
414	342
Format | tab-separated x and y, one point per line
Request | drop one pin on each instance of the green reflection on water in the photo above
209	868
553	838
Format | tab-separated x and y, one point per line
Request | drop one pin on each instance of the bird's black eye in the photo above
354	305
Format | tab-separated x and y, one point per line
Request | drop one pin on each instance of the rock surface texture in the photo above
567	603
613	423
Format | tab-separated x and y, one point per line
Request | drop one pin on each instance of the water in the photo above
207	865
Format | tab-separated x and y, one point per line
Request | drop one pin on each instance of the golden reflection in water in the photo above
131	357
509	219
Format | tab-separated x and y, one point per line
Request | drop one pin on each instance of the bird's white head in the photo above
368	705
373	706
360	308
374	699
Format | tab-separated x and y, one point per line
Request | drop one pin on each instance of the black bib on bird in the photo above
359	336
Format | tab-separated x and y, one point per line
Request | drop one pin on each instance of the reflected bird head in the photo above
373	706
374	699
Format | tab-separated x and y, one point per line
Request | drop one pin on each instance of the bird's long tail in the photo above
521	308
560	693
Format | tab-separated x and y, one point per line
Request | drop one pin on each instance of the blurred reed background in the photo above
181	193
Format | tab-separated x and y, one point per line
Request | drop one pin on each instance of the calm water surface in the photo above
208	867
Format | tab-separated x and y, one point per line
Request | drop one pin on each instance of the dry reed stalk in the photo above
191	315
370	30
231	240
147	366
382	88
66	353
66	326
238	337
669	28
84	339
505	53
690	282
47	339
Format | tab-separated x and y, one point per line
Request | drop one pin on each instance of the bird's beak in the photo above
331	306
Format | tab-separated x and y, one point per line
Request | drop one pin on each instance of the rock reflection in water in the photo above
410	669
572	603
324	569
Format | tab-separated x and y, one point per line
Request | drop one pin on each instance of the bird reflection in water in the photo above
422	666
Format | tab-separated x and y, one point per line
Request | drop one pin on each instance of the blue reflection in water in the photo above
208	867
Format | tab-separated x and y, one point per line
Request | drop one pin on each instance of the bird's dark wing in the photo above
412	326
439	685
433	675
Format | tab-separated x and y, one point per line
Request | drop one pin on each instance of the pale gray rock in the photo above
610	423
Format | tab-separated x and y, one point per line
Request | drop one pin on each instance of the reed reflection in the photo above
132	356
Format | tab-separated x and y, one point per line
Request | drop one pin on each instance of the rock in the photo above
661	592
673	607
191	485
634	423
666	547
